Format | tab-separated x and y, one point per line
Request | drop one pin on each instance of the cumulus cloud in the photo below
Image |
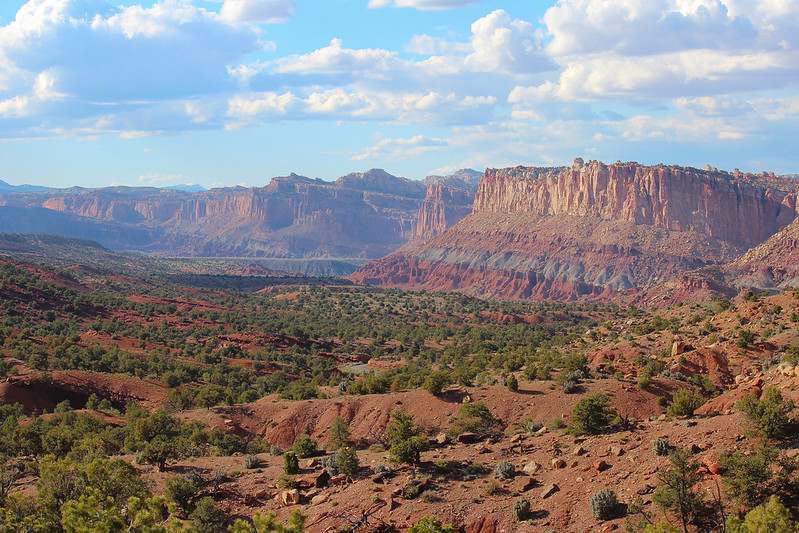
400	108
643	27
649	49
433	5
260	11
336	59
506	45
92	51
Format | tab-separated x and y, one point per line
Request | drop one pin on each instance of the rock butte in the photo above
587	232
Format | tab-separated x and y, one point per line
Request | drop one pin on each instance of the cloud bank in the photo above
584	75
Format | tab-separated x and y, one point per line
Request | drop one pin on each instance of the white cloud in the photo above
433	5
335	59
93	51
260	11
504	45
427	45
14	107
392	149
399	108
642	27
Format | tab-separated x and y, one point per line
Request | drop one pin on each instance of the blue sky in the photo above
226	92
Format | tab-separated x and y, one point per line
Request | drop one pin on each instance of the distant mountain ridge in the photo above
360	215
7	187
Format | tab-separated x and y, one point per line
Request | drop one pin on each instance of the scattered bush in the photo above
745	338
685	402
251	461
275	450
405	439
436	382
305	447
769	415
512	383
570	386
604	504
430	524
660	447
474	417
339	434
347	461
592	414
521	509
291	464
505	470
331	465
772	516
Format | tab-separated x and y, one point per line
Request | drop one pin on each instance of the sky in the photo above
234	92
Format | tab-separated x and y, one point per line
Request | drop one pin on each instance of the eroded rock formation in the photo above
363	215
588	231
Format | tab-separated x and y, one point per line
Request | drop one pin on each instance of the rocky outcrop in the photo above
675	198
442	208
588	231
771	265
364	215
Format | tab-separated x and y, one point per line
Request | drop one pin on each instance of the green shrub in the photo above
430	524
604	504
291	464
521	509
436	382
505	470
182	491
347	461
592	414
405	439
660	447
251	461
339	434
685	402
772	516
512	383
769	415
745	338
474	417
305	447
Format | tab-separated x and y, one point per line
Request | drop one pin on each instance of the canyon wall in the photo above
670	197
361	215
591	230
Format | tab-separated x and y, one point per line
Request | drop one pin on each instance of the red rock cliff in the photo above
442	207
669	197
588	231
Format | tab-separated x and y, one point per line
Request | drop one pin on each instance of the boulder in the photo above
549	490
531	468
290	497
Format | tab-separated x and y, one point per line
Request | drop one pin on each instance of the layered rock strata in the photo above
589	231
364	215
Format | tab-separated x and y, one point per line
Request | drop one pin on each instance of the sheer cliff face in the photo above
672	198
589	231
362	215
442	207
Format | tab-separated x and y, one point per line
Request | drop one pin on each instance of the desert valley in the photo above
595	347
